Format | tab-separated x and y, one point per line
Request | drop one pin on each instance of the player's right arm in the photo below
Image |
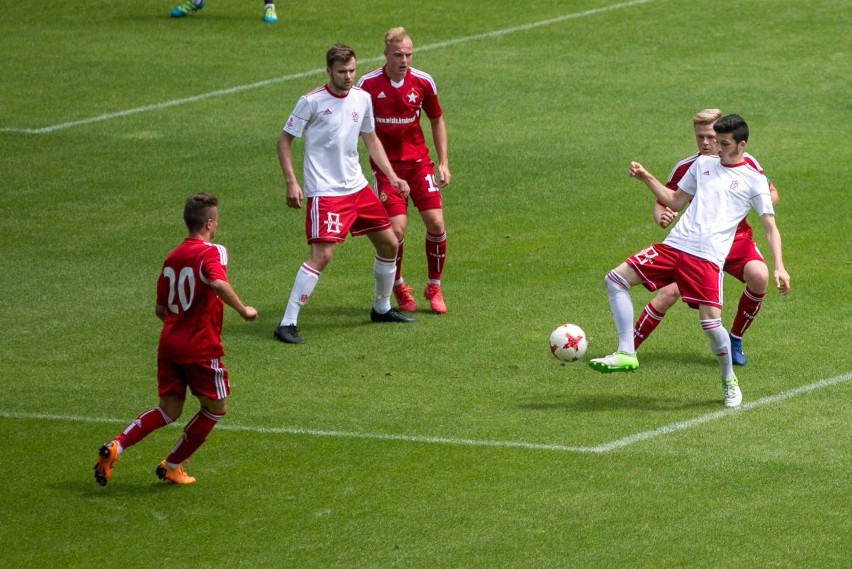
285	158
675	201
663	216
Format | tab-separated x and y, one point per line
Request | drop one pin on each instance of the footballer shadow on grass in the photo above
602	403
125	489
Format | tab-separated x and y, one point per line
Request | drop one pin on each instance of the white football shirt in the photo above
722	197
331	125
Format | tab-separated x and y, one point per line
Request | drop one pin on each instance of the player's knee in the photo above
756	276
215	406
667	297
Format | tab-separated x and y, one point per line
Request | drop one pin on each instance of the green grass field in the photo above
457	441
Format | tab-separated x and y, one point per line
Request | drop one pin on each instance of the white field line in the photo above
285	78
599	449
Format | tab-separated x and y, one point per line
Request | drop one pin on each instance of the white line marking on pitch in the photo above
599	449
285	78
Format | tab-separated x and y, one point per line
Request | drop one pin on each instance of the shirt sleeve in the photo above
689	181
213	264
300	116
761	201
368	125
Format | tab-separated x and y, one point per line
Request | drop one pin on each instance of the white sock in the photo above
303	286
621	306
384	271
720	345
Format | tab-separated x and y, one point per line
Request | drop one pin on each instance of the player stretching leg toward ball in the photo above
744	262
190	291
399	93
724	189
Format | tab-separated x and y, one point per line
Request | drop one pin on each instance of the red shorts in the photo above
743	251
699	280
209	379
425	192
329	218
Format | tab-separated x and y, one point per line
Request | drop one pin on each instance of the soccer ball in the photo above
568	343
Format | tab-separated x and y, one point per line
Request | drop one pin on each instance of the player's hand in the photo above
402	186
667	217
294	196
444	176
250	314
782	281
636	170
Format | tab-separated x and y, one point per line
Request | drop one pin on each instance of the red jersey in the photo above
193	327
743	229
396	108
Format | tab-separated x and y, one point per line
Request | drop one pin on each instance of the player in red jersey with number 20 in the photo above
190	290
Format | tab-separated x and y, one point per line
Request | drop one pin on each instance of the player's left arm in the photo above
773	192
377	153
225	291
439	139
773	239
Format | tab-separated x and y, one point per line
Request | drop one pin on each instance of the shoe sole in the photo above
161	474
284	340
101	477
603	368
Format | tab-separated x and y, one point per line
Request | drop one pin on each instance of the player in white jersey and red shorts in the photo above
400	93
744	262
331	118
722	190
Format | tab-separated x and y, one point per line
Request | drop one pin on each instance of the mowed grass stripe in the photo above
317	71
599	449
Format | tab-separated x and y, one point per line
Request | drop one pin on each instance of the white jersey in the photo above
331	125
722	197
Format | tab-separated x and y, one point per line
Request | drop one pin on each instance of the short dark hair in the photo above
196	210
734	124
339	52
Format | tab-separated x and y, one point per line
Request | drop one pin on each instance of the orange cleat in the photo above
173	475
107	455
435	298
404	299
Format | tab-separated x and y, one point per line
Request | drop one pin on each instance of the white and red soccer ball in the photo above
568	343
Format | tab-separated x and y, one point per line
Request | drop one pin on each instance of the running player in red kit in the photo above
399	93
191	289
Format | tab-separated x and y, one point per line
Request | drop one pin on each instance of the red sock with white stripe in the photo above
146	423
647	322
747	309
194	435
436	253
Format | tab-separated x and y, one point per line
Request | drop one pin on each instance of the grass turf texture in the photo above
542	124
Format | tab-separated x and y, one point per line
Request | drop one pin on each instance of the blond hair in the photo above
397	34
706	116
